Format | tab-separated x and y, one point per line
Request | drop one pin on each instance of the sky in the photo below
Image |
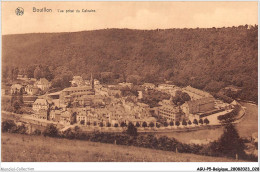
132	15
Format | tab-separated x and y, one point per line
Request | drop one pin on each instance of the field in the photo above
186	137
17	148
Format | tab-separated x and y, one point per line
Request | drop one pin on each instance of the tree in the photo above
137	124
171	123
151	124
101	124
123	124
82	122
206	121
116	125
131	129
201	121
144	124
95	123
88	123
195	121
50	131
37	73
230	143
165	124
184	122
8	125
189	122
14	73
16	106
177	123
157	125
108	124
73	118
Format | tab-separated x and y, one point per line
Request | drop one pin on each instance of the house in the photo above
40	104
149	86
29	100
77	81
22	77
55	115
233	88
96	82
43	84
195	94
126	84
68	95
65	117
81	117
114	92
16	88
165	86
5	90
41	114
170	112
198	106
31	90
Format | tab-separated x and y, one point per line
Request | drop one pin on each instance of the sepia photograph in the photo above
129	81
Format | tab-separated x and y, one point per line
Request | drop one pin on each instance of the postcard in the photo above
129	82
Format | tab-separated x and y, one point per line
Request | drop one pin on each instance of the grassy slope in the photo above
25	148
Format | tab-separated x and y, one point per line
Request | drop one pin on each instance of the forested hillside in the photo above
204	58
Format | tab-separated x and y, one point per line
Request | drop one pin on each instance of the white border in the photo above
124	166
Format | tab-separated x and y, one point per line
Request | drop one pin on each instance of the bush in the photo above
151	124
206	121
131	130
123	124
184	123
165	124
69	134
21	129
37	132
108	124
144	124
195	121
50	131
8	125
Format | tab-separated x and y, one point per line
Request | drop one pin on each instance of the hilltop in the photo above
207	59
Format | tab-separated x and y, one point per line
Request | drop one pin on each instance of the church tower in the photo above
92	82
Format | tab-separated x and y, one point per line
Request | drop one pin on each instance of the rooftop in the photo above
77	88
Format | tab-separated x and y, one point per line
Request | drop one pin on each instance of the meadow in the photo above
25	148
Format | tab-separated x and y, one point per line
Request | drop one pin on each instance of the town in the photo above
92	104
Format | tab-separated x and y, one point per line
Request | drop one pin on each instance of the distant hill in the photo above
204	58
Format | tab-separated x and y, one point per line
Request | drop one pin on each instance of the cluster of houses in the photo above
200	105
87	102
90	103
31	87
